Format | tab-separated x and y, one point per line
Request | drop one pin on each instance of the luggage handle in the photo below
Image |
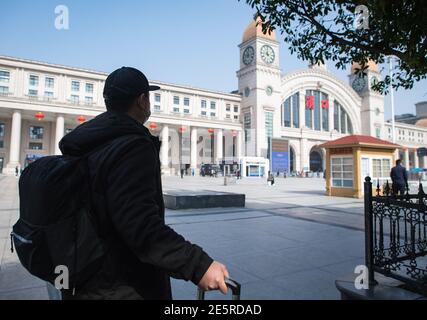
233	285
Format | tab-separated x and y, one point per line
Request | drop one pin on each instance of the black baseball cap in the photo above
126	82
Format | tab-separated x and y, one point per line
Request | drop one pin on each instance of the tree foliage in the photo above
328	30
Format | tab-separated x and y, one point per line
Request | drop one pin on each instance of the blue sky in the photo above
189	42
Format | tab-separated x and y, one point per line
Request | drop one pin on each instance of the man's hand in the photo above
214	278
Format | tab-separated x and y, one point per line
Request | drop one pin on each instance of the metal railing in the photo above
396	235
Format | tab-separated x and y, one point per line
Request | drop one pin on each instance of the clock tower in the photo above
259	80
372	109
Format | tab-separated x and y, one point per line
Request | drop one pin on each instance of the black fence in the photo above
395	235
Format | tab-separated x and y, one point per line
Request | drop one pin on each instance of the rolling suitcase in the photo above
234	286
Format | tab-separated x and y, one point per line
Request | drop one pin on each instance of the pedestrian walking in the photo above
399	178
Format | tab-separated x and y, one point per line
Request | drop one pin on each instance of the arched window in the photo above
342	122
316	110
290	111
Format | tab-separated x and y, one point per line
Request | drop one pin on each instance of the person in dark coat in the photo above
399	177
129	209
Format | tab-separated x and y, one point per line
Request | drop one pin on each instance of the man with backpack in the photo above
124	233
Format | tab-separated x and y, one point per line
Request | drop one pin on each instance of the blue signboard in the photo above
280	161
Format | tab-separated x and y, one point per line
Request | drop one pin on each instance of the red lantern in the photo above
182	129
153	126
211	131
309	102
325	104
40	116
81	119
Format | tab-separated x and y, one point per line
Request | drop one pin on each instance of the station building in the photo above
41	102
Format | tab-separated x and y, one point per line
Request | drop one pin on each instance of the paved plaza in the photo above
289	242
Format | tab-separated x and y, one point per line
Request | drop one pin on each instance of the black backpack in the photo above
56	226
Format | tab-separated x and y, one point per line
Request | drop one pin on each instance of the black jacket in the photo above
399	176
128	199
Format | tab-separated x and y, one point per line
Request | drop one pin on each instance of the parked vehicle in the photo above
210	170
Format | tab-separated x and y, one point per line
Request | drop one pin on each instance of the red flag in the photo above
309	102
325	104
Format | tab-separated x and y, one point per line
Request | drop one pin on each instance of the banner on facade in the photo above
309	102
325	104
279	155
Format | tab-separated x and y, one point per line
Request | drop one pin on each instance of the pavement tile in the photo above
14	276
267	246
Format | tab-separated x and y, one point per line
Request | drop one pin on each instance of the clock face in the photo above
267	54
247	92
269	90
359	83
248	55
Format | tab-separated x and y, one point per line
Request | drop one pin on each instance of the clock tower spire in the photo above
259	80
372	110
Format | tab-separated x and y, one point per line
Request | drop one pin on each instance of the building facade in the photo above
41	102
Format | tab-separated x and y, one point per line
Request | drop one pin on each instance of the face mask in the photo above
146	112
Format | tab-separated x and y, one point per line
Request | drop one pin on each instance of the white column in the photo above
218	146
302	108
425	162
239	144
331	113
15	140
416	160
406	151
165	147
303	143
60	127
193	149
